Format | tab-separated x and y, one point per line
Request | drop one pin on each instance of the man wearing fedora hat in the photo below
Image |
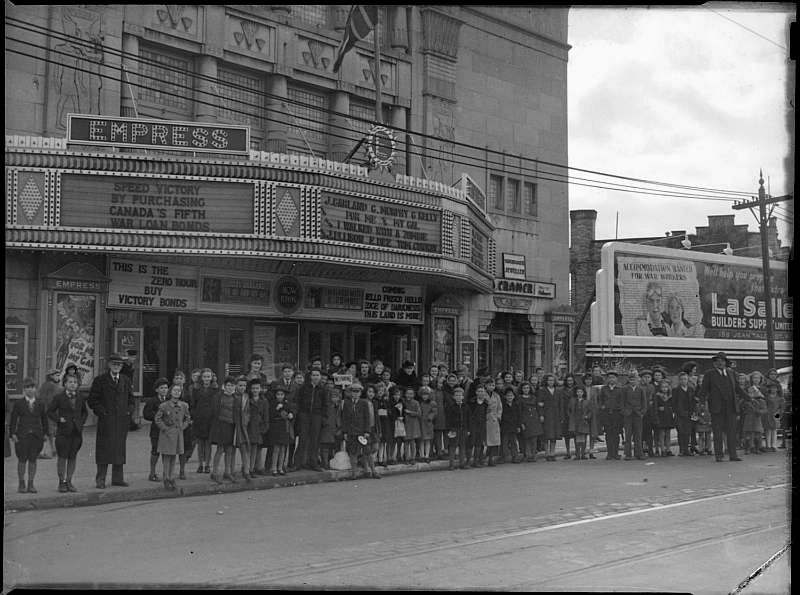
111	399
719	388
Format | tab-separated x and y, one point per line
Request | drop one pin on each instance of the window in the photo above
512	195
309	117
531	200
311	14
166	82
242	100
496	192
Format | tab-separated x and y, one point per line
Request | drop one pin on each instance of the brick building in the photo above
198	258
585	249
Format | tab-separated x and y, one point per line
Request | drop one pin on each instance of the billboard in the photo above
683	296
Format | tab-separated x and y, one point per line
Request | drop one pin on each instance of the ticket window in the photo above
220	344
323	340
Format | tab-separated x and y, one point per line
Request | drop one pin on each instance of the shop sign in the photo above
74	285
157	204
247	292
158	134
151	286
390	303
536	289
343	380
377	223
514	266
288	295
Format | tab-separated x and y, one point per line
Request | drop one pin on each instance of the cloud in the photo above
683	96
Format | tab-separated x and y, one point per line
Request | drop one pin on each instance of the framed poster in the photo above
75	322
444	332
16	357
561	347
125	341
466	355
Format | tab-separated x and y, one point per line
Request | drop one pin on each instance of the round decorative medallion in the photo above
380	146
288	295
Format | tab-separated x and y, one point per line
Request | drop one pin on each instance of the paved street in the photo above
667	524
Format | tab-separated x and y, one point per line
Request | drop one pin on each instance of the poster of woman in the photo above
659	297
74	332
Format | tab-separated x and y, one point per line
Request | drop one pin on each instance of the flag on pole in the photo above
360	22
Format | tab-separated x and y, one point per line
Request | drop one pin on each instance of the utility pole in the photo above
763	221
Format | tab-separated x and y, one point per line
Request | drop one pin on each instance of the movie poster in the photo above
75	333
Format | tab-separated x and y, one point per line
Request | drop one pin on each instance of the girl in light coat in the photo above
172	418
494	413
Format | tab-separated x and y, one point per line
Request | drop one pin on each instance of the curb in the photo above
113	495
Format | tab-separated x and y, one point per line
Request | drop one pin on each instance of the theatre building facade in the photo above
141	217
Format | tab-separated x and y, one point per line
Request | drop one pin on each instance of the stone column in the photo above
398	122
399	27
341	140
130	78
277	112
206	90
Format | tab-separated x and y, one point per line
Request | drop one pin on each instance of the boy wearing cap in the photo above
458	423
161	386
28	427
68	413
49	389
356	429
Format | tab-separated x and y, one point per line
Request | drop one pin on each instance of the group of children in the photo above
380	418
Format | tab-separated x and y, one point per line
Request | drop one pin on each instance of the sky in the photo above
680	95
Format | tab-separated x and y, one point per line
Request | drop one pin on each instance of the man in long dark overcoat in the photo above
111	398
719	387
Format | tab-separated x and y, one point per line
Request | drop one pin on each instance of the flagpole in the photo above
376	75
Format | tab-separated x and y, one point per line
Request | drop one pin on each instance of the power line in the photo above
757	34
475	161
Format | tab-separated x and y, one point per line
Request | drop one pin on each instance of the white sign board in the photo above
151	286
514	266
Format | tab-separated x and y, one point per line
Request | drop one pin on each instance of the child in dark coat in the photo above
28	428
68	413
458	428
477	428
510	425
151	406
279	434
331	427
258	425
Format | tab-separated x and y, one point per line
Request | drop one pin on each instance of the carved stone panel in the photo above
388	74
177	19
76	79
315	54
250	36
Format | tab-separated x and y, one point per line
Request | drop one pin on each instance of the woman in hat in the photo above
72	370
494	413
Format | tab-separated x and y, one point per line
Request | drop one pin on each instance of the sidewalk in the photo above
137	470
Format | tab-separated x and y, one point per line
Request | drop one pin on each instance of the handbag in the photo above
399	428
